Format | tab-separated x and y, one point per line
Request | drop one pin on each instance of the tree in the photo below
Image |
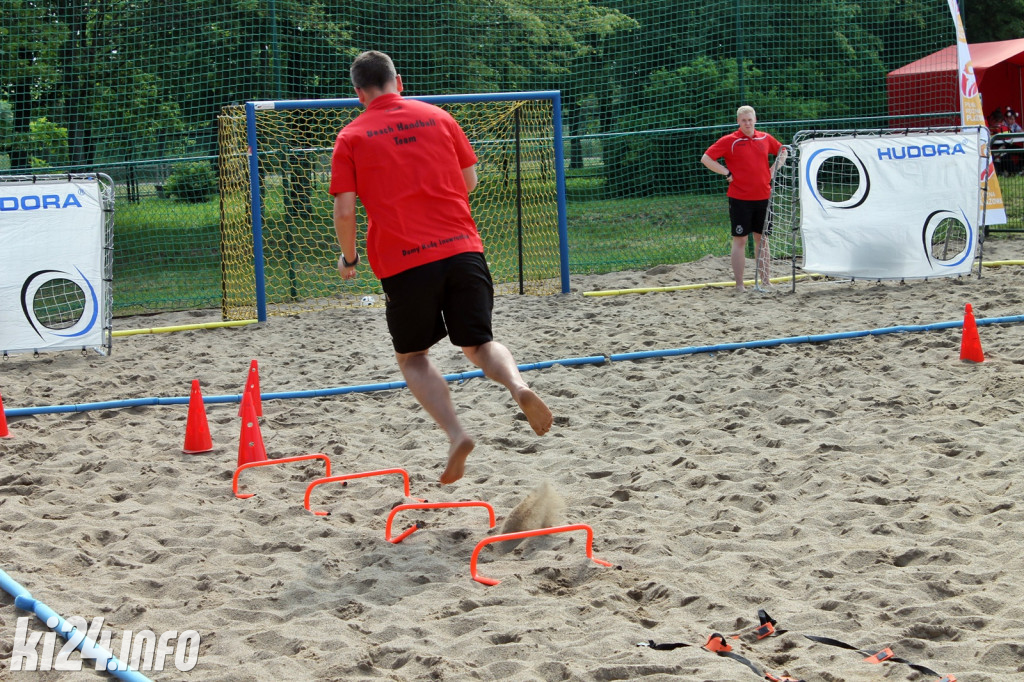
991	20
139	79
27	41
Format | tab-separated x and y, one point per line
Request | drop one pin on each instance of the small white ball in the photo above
367	300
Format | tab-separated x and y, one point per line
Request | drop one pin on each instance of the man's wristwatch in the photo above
348	264
727	176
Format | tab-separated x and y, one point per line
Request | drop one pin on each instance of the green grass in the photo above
584	184
640	233
166	256
1012	187
160	214
167	253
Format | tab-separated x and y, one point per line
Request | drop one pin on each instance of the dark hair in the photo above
372	69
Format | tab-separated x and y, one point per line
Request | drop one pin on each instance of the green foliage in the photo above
6	120
193	182
51	143
646	85
127	88
991	20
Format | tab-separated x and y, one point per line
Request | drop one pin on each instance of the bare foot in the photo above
457	455
537	413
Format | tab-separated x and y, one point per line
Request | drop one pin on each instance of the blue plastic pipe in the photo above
815	338
311	393
23	600
463	376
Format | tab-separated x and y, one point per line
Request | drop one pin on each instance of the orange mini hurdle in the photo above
529	534
430	505
268	462
348	477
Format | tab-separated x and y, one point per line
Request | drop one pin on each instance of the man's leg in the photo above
431	390
739	257
498	364
761	262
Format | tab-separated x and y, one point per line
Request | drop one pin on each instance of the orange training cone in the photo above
197	430
250	444
970	344
252	388
4	433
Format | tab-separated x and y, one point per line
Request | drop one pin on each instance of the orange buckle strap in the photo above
716	643
883	655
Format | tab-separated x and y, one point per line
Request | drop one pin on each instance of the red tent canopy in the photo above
929	85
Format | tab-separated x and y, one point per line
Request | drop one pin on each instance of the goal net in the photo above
777	258
879	204
278	243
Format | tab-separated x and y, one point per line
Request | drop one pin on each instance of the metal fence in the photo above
1008	156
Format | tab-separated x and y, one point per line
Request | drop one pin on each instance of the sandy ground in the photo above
865	490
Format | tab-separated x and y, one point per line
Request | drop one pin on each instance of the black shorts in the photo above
747	216
453	297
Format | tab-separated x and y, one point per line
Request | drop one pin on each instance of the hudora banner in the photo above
52	287
914	211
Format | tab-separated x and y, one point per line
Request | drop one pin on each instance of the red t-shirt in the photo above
404	159
747	159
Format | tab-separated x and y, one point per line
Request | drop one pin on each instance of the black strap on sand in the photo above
876	657
717	644
665	646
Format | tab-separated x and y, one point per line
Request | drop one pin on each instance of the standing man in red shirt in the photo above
746	168
412	167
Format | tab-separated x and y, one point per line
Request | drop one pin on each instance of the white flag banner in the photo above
971	114
909	205
51	266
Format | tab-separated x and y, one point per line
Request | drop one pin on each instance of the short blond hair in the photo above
746	109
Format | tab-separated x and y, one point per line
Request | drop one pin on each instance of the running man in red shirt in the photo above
746	168
412	167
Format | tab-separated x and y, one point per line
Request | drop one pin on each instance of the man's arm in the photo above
345	227
715	167
780	159
470	176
